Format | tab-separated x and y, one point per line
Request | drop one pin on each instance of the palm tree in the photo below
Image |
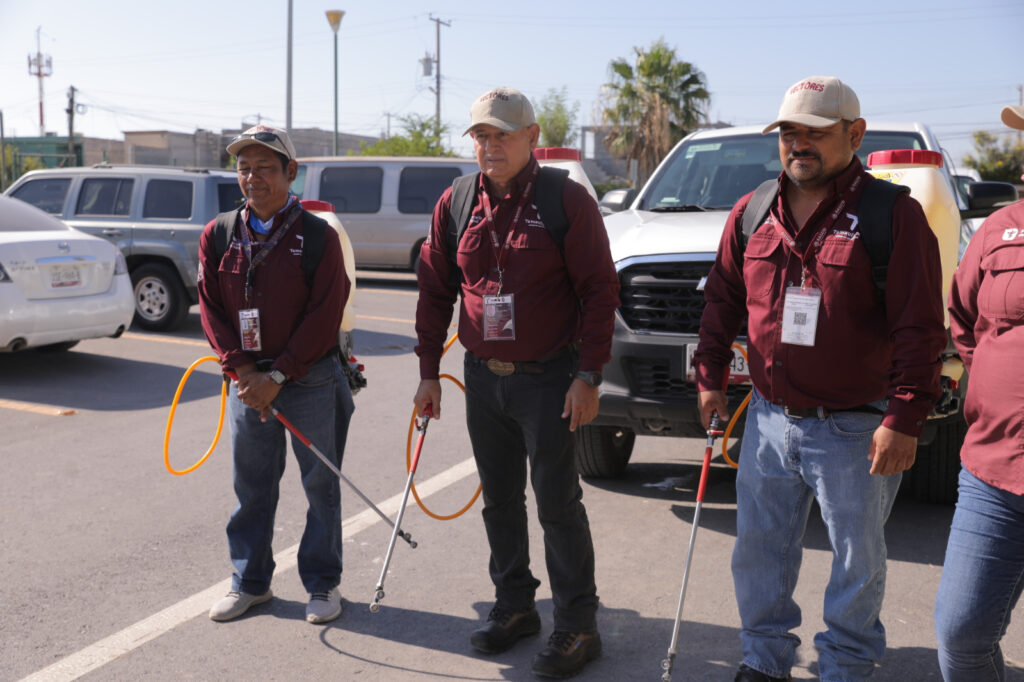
652	105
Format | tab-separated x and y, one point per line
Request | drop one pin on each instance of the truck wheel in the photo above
603	451
936	471
160	301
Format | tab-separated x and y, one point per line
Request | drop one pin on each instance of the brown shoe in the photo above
567	653
504	628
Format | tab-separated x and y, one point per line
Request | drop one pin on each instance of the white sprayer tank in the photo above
567	158
918	169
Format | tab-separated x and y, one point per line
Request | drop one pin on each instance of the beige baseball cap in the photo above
272	138
504	108
817	102
1013	116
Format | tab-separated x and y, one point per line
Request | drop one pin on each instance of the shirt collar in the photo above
266	227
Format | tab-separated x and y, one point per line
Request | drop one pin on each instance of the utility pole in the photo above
40	66
437	87
3	156
288	96
72	159
1020	102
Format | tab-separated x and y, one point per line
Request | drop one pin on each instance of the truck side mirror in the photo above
983	198
615	200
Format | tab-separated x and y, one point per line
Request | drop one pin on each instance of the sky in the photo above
188	64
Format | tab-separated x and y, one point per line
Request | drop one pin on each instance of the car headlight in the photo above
120	265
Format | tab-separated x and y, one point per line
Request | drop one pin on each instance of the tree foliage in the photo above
557	120
420	139
652	104
16	165
996	159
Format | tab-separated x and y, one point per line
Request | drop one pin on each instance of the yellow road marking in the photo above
36	407
384	319
164	339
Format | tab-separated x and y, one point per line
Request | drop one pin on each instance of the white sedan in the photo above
57	285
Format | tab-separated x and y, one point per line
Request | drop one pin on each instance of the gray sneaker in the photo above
323	607
236	603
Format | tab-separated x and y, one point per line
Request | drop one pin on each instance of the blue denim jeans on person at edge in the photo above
785	464
982	579
320	406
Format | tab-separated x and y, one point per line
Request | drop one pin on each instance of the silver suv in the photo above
154	215
664	246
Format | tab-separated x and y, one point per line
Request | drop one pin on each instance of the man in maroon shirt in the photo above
983	574
843	382
536	320
278	333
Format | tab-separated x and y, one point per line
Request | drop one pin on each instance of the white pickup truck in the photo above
663	241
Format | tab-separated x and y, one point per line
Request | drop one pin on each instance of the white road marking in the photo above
132	637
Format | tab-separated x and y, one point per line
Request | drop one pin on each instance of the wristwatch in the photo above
278	377
589	378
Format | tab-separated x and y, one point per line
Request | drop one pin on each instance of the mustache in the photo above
803	155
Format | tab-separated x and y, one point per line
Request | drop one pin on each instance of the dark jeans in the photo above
320	405
511	420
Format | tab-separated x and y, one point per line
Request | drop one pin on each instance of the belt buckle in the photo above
501	367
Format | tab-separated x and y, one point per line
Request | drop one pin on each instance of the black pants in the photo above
513	419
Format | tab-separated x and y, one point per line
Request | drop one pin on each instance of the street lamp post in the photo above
334	18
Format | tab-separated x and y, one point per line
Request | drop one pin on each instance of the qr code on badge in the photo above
800	319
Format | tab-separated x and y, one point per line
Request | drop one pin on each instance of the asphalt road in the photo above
108	563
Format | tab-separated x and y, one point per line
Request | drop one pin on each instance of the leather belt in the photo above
821	412
504	368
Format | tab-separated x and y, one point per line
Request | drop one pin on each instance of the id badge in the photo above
800	316
499	318
249	325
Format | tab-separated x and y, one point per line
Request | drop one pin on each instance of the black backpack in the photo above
874	214
548	198
314	232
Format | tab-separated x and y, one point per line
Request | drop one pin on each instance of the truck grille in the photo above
663	297
652	379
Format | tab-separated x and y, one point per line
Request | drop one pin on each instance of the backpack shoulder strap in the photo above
875	215
758	207
314	233
550	186
224	231
463	198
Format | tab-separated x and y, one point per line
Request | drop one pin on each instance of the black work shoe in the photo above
567	653
504	628
748	674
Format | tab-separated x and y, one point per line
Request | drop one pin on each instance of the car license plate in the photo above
739	372
64	275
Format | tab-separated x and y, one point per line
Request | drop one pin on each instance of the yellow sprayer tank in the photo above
919	169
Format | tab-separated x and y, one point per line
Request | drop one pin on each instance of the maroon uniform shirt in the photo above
299	325
557	300
864	350
986	318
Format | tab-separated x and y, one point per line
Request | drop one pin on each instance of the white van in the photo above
384	202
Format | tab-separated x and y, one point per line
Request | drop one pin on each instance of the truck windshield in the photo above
713	173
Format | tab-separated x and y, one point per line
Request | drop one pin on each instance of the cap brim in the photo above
239	145
809	120
496	122
1013	116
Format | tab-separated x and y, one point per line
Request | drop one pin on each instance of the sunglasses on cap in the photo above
261	136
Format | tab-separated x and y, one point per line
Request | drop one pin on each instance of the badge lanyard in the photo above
819	238
802	304
265	247
501	251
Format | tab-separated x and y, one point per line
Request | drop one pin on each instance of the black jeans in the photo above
513	419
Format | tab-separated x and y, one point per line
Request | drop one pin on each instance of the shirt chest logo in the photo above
1011	233
851	232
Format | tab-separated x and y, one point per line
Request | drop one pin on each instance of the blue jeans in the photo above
982	580
320	406
785	464
510	420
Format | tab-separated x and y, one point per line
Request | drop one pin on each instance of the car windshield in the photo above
713	173
17	216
